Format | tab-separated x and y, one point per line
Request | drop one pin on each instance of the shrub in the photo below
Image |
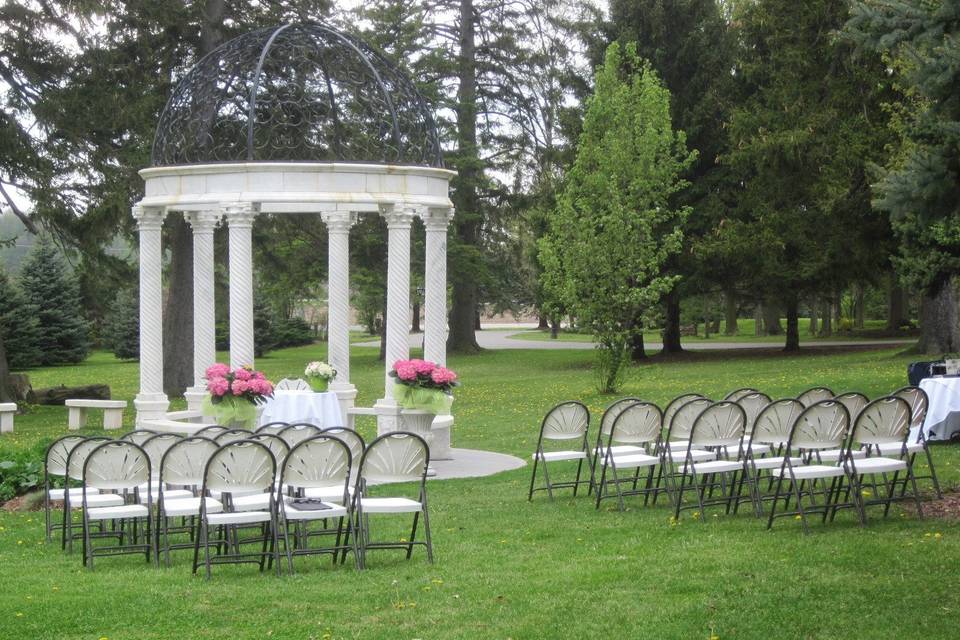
121	327
18	326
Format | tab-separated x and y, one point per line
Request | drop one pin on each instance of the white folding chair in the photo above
273	428
121	467
567	423
815	395
292	384
736	394
155	447
297	433
138	436
854	401
752	404
771	431
395	457
55	466
632	444
606	424
71	501
917	443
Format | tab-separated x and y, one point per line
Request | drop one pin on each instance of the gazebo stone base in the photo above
195	397
346	396
151	407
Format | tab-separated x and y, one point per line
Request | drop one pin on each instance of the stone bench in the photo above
112	412
7	409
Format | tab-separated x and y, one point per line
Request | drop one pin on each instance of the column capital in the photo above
338	221
436	219
148	217
399	216
239	214
203	220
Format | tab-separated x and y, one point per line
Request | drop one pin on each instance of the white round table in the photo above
320	409
944	394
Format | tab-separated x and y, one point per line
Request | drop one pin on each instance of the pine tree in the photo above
121	327
53	290
18	326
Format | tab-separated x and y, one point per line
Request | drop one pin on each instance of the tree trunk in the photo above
635	343
178	311
706	316
826	319
939	328
730	313
554	328
671	326
542	322
476	320
793	325
837	309
465	194
895	309
812	329
771	319
758	320
415	327
859	304
6	388
59	395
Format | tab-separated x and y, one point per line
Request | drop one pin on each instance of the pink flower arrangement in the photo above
424	374
242	383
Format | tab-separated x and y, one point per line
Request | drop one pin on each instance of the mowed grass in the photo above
506	568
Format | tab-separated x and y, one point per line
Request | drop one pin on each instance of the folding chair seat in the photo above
55	466
155	447
821	426
395	457
752	404
815	395
637	426
120	466
681	426
771	431
566	424
606	423
75	460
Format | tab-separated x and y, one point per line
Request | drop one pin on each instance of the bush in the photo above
21	471
292	332
18	326
121	327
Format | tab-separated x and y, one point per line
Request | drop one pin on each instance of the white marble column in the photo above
338	305
239	217
151	402
399	219
203	224
436	222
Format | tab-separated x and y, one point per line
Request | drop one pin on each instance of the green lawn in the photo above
510	569
873	330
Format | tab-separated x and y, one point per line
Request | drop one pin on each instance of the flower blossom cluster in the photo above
423	373
242	382
317	369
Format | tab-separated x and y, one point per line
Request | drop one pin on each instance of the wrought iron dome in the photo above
296	93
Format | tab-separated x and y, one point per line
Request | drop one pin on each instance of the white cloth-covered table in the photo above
944	395
320	409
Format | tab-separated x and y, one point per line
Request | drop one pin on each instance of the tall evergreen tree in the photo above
19	328
63	333
121	327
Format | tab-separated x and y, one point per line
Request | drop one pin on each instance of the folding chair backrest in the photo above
138	436
184	462
116	465
681	425
721	424
566	421
273	428
638	423
397	456
752	404
277	445
918	401
232	435
351	438
674	405
815	395
211	432
883	421
736	394
58	452
320	461
773	424
292	384
611	412
297	433
78	455
823	425
854	401
156	446
240	467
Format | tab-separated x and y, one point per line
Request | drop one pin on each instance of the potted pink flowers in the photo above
424	385
235	394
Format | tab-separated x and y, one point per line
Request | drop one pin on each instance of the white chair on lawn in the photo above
395	457
736	394
241	467
918	401
854	401
298	432
292	384
182	465
260	501
138	436
120	467
752	404
155	447
674	443
632	444
771	431
75	460
606	424
720	426
231	435
357	446
824	425
568	423
674	405
322	462
273	428
885	421
815	395
55	466
211	432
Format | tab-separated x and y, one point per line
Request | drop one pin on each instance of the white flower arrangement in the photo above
322	370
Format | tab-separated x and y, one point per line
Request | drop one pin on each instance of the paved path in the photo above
499	339
473	463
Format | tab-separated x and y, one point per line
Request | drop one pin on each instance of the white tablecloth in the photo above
320	409
944	395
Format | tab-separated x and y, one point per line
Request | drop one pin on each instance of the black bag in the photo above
917	371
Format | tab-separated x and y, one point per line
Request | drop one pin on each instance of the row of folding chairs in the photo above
718	449
221	483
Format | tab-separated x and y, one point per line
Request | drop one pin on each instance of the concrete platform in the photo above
473	463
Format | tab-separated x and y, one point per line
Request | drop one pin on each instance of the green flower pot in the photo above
318	384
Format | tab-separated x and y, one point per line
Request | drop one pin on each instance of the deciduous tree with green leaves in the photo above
615	227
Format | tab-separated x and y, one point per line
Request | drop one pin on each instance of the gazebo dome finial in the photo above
296	93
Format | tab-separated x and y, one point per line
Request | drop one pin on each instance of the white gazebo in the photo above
300	120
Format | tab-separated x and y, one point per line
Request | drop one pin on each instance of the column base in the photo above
346	396
440	449
388	416
150	406
195	397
